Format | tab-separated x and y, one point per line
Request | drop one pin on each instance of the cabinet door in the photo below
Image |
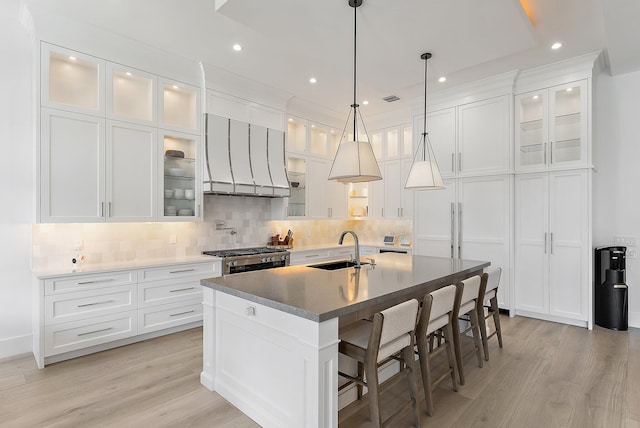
131	95
568	125
318	140
131	174
392	189
531	240
441	126
317	188
297	172
484	224
336	198
406	209
72	81
296	135
180	191
484	136
569	249
531	130
377	196
72	167
434	221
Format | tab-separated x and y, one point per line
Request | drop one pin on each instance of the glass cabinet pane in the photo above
376	144
334	136
392	143
407	141
296	171
319	142
132	95
179	191
531	130
566	141
74	81
296	135
179	106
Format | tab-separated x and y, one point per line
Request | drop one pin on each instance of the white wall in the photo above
17	158
616	200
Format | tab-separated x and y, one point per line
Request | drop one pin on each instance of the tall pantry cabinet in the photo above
472	217
553	215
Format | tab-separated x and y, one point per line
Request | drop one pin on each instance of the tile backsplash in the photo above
229	222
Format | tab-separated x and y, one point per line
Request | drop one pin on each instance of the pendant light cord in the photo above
355	106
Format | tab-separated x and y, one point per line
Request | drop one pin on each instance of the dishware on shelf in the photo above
295	183
178	193
185	212
174	153
170	210
189	194
176	172
168	193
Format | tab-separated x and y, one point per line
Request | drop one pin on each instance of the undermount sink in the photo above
341	264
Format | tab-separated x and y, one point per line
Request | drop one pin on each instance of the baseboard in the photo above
634	319
16	346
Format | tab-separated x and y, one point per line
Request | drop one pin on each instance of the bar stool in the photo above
489	299
436	314
389	336
467	307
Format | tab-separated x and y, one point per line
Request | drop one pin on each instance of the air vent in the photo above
391	98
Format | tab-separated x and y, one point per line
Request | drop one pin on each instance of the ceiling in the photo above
285	42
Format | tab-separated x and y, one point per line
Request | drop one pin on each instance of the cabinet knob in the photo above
250	311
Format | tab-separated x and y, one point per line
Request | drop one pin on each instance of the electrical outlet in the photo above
631	253
77	245
173	239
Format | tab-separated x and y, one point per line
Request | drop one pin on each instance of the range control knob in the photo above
263	260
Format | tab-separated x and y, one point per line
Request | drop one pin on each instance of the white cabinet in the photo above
72	81
327	199
72	162
178	106
81	313
179	190
553	246
131	172
551	128
131	95
470	219
398	202
471	139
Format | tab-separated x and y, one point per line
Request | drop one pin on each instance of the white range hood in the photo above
244	159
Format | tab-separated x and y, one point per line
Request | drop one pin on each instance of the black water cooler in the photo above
611	299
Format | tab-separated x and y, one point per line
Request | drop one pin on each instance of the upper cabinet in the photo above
179	106
131	95
471	139
72	81
551	128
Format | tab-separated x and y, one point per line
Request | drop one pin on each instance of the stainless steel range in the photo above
249	259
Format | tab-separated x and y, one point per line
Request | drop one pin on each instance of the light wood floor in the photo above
548	375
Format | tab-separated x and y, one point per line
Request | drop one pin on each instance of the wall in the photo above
616	205
16	180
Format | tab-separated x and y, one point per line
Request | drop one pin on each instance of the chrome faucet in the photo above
355	240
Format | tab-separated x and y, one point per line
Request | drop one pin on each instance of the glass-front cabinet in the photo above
179	106
297	174
180	192
131	95
551	127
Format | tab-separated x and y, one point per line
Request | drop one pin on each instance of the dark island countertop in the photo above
319	295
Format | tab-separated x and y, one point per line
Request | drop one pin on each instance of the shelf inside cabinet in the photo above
530	148
531	125
568	119
566	144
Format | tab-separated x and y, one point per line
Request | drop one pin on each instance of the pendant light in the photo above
424	173
355	161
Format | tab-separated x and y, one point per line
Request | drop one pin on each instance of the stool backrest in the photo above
494	273
435	305
471	289
398	320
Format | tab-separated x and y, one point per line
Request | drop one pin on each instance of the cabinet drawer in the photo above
79	282
200	270
168	291
166	316
84	304
75	335
348	252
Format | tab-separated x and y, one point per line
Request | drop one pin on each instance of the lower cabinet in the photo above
552	269
81	313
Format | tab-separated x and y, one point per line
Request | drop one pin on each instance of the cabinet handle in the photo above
198	210
182	313
452	232
101	209
95	331
381	212
96	303
181	289
551	242
181	271
453	162
459	161
399	214
545	153
550	152
311	255
97	281
109	210
251	311
545	242
459	230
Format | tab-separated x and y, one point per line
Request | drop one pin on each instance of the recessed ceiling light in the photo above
569	89
535	97
72	58
290	120
556	45
128	73
175	87
237	47
365	102
312	80
442	79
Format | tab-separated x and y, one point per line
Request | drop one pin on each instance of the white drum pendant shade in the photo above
424	175
355	162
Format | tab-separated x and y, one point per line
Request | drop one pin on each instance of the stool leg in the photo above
425	371
475	330
359	387
458	351
448	337
409	360
371	371
496	318
483	331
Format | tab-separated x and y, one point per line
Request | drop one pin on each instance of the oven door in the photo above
229	270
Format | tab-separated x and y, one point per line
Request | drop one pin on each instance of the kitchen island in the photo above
270	341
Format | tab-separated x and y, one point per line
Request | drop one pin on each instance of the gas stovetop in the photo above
239	252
